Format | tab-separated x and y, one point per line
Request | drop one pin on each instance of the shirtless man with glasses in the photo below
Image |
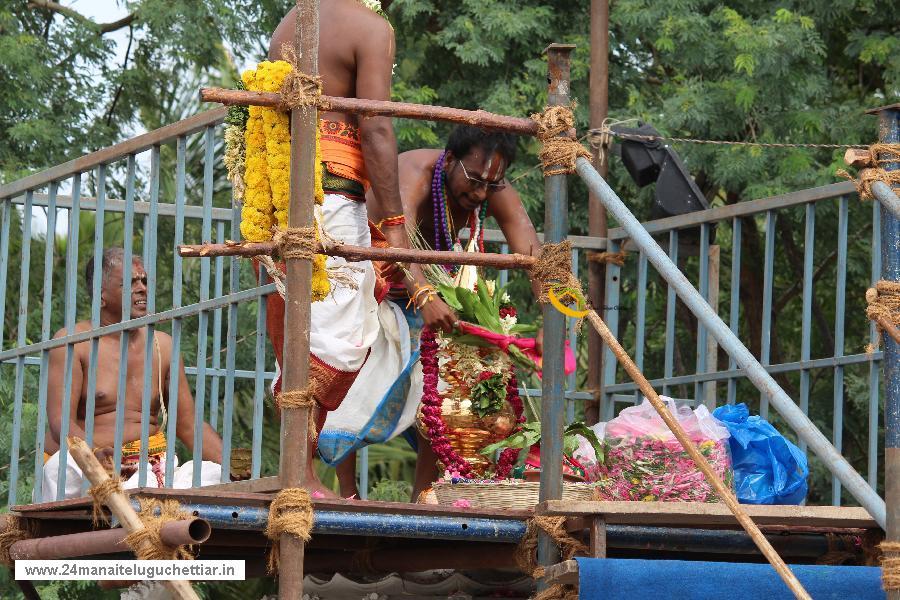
444	192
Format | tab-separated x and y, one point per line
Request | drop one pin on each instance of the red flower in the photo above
508	311
485	375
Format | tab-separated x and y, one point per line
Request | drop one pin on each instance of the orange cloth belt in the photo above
156	444
342	151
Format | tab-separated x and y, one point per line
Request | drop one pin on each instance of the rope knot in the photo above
100	493
553	270
13	533
877	173
154	514
299	89
296	242
290	512
614	258
555	527
890	566
300	399
884	305
559	151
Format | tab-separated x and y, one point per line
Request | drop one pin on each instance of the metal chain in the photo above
595	134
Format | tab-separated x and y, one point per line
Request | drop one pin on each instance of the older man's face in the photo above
112	289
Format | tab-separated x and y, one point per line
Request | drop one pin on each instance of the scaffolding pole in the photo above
597	224
556	229
889	133
295	444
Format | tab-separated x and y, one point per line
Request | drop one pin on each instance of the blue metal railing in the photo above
138	217
758	371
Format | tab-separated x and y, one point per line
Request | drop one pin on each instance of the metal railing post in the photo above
889	133
764	382
556	228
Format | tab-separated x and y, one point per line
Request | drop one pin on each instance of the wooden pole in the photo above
295	444
712	347
121	509
382	108
598	95
718	485
361	253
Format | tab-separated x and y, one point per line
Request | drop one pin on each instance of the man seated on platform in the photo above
106	394
356	52
444	192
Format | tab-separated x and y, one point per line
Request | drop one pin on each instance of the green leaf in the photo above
448	294
527	436
467	301
745	63
579	428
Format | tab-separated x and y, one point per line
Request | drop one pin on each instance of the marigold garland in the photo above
267	161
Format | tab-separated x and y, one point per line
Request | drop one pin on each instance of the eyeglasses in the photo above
477	183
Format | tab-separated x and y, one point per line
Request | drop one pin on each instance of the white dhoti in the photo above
345	324
182	478
382	402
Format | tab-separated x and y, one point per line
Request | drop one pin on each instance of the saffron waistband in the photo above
156	444
345	169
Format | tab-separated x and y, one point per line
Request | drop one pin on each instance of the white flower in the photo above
490	285
505	298
373	5
507	323
465	404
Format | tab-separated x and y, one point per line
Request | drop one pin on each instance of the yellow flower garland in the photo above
268	167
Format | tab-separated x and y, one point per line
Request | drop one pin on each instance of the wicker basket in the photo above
521	495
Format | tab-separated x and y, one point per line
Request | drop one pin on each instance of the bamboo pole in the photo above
361	253
598	100
120	507
718	485
889	328
381	108
295	443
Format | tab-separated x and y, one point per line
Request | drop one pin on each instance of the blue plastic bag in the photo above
768	469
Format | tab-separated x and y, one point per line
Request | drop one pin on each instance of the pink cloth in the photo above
526	345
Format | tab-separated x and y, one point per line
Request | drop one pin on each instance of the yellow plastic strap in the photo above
558	305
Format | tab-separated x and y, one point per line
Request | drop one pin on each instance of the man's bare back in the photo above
352	39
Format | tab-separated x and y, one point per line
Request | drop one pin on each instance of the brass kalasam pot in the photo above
468	433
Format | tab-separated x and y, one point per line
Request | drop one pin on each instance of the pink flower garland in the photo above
431	414
431	409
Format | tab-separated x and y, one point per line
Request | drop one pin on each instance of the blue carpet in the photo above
621	579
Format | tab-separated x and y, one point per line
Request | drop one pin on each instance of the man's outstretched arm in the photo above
374	63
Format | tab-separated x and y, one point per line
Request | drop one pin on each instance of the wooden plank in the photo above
598	537
564	573
261	485
112	153
704	515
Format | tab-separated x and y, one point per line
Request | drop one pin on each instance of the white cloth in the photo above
210	474
345	324
383	401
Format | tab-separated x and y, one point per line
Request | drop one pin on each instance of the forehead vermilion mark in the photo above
493	167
